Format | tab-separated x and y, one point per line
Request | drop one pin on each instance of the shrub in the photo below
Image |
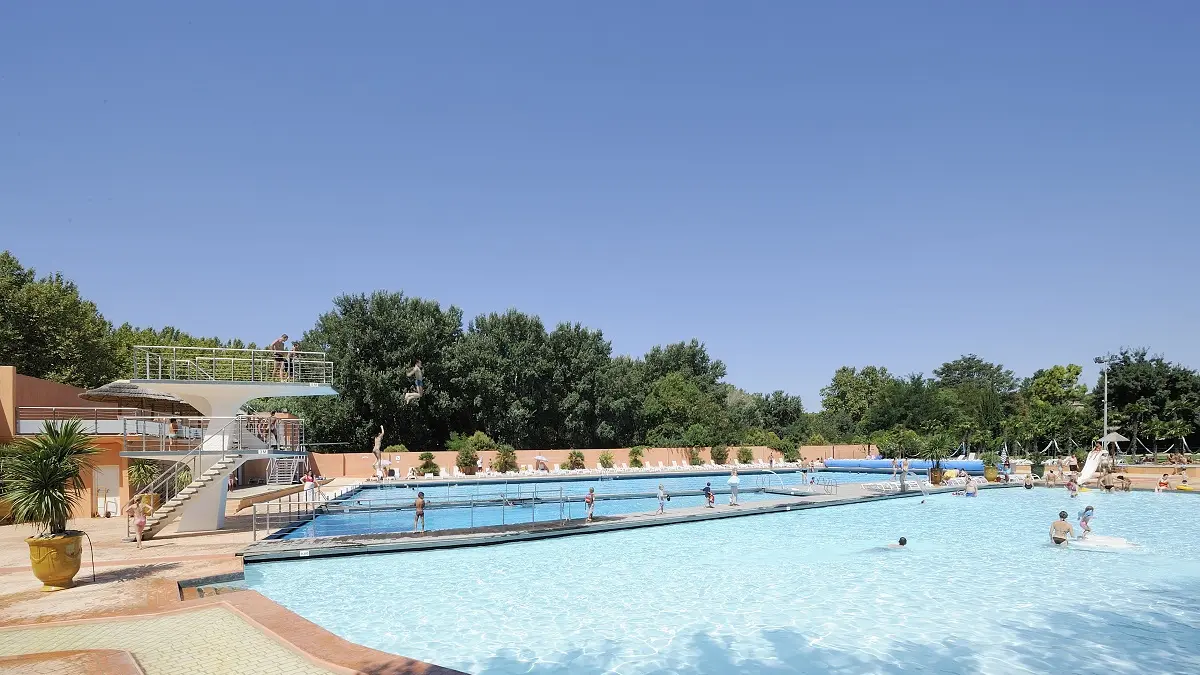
427	464
636	453
399	447
476	441
816	439
183	478
575	460
606	459
467	459
745	455
791	453
694	457
506	459
142	473
719	453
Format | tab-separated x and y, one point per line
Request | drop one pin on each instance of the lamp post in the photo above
1103	437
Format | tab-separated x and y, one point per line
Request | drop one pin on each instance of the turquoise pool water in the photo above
979	590
395	514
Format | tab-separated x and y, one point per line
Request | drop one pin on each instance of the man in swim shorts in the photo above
419	505
1060	529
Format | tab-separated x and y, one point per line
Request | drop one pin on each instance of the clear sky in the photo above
798	185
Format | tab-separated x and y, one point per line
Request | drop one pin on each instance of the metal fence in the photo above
230	365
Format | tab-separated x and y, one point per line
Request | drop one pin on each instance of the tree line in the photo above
523	384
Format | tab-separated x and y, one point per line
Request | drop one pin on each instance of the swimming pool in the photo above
979	589
378	509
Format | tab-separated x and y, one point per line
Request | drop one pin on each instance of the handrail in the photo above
165	362
166	433
97	421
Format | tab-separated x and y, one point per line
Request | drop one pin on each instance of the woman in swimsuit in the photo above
1059	530
1163	483
138	510
420	507
590	500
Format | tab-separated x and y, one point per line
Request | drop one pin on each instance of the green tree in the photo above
504	371
373	341
853	393
506	459
579	357
970	368
48	330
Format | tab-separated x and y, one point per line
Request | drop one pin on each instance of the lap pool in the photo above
979	589
380	509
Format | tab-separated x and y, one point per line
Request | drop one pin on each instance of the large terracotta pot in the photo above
990	473
56	560
153	500
935	476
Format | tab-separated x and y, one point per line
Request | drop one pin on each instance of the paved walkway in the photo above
206	641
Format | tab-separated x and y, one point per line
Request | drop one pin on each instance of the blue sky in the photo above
799	185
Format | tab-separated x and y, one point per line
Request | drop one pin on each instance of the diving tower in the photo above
204	451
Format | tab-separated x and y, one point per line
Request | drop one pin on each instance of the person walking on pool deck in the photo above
1059	530
590	500
138	511
279	356
709	498
733	486
419	505
662	498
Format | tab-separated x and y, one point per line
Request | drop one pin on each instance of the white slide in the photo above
1090	466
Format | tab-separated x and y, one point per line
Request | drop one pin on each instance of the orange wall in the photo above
358	464
17	391
110	454
8	403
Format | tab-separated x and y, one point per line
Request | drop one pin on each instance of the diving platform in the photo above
205	449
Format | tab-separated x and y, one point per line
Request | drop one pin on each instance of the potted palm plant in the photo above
44	485
991	462
936	450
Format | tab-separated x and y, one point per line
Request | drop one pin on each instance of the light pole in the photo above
1103	436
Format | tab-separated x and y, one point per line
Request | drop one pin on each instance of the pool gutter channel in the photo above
320	547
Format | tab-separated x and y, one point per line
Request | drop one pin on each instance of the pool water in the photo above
979	590
399	500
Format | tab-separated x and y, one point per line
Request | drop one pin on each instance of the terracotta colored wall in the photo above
30	391
110	454
8	403
358	464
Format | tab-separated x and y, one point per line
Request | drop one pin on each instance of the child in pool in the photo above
1085	521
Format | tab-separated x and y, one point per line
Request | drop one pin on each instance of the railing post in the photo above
254	522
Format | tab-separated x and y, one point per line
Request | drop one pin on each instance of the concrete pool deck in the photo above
294	549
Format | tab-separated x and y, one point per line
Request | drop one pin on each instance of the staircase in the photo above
282	470
173	507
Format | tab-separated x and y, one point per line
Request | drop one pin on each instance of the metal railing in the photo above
96	421
291	513
230	365
180	473
244	433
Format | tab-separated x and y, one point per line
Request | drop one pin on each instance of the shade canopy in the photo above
1113	437
130	395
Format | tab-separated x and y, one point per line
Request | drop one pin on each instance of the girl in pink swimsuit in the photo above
138	510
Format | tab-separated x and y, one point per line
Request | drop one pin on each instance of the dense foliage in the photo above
506	376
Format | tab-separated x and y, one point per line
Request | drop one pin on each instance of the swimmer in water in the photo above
1085	522
971	490
1028	481
900	544
1060	529
1072	487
